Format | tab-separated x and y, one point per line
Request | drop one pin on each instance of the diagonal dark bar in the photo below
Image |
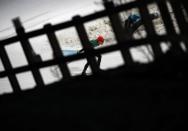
7	65
29	53
178	11
57	51
120	34
162	5
147	22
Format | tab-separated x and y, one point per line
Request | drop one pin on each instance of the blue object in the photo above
134	18
69	52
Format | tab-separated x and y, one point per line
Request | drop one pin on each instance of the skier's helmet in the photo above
100	39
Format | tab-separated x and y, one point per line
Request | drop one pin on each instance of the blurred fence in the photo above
122	35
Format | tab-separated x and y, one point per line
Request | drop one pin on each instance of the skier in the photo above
94	43
131	20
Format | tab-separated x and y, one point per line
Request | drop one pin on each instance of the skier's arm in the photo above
92	44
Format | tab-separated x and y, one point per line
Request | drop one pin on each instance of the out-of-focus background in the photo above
34	14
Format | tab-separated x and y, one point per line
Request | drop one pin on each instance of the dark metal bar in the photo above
28	51
147	22
120	34
85	43
178	12
185	5
57	53
7	65
162	5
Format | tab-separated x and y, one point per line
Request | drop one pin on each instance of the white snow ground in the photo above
69	40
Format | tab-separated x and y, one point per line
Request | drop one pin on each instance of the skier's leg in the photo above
87	64
85	68
99	60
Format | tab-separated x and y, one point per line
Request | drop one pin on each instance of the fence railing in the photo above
122	35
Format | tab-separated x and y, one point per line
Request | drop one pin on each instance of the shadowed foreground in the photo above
140	97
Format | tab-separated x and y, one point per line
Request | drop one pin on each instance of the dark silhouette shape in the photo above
94	43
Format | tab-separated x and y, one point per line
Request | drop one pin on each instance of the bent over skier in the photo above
94	43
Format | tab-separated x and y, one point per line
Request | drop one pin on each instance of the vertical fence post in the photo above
85	43
178	11
162	5
120	34
7	65
147	22
28	51
57	51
